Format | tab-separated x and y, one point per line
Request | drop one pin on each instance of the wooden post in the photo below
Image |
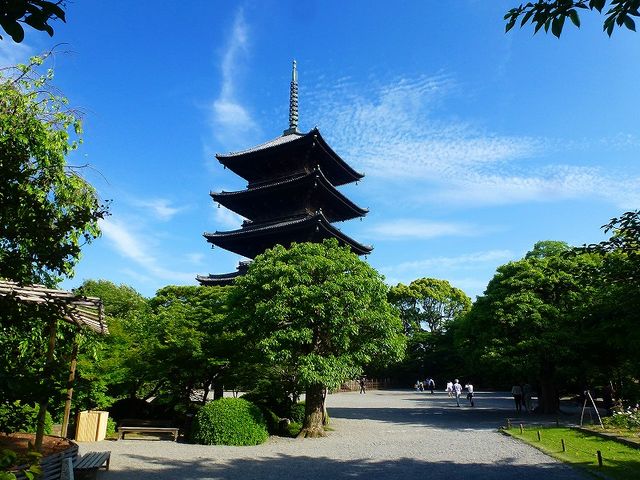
539	435
599	453
42	410
564	447
72	377
521	429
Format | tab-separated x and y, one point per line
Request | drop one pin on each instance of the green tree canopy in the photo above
552	14
533	322
319	310
48	210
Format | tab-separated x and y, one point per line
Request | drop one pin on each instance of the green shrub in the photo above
18	417
297	412
293	429
229	421
111	426
629	418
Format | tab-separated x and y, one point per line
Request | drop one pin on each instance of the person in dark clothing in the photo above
363	388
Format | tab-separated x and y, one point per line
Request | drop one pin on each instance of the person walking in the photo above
469	388
516	391
363	388
432	384
457	390
449	389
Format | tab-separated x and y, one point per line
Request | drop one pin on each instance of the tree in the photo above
195	343
428	304
428	308
320	311
553	13
48	210
118	365
35	13
534	320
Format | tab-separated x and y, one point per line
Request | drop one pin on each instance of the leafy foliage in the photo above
318	312
35	13
229	421
18	417
553	13
48	210
533	321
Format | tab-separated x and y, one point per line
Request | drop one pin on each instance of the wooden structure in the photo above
86	467
131	425
291	195
75	309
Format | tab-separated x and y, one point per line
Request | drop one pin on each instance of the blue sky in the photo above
475	144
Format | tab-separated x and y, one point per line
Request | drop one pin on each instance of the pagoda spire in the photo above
293	102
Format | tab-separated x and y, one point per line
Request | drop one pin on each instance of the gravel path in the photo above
382	435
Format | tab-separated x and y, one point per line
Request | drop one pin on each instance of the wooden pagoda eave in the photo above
246	202
247	164
253	239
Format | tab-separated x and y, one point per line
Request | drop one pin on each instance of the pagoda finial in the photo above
293	102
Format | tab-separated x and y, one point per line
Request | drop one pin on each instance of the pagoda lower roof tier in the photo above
289	196
254	238
289	153
217	280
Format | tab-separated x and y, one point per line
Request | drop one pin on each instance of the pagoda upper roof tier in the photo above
293	194
254	238
289	153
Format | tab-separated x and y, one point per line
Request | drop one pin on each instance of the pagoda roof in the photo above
246	202
252	163
254	238
219	280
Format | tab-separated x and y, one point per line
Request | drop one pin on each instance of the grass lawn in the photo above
618	461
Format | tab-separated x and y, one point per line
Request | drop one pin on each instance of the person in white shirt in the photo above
449	389
469	388
457	390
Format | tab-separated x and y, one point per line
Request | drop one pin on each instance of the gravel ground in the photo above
382	435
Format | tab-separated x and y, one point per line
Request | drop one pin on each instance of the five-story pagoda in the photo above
291	194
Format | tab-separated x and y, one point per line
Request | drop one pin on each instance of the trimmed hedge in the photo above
229	421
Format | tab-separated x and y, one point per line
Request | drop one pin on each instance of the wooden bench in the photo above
146	426
86	467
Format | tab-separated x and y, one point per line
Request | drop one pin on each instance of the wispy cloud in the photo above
136	248
231	120
393	132
161	208
421	229
13	53
469	260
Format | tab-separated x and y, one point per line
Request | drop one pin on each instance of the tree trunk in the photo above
313	413
548	401
218	390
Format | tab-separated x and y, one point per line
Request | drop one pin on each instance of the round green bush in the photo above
229	421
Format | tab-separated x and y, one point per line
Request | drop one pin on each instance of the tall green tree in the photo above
118	365
48	210
534	321
552	14
320	311
195	343
428	308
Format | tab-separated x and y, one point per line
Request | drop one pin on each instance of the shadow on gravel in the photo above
490	412
286	467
